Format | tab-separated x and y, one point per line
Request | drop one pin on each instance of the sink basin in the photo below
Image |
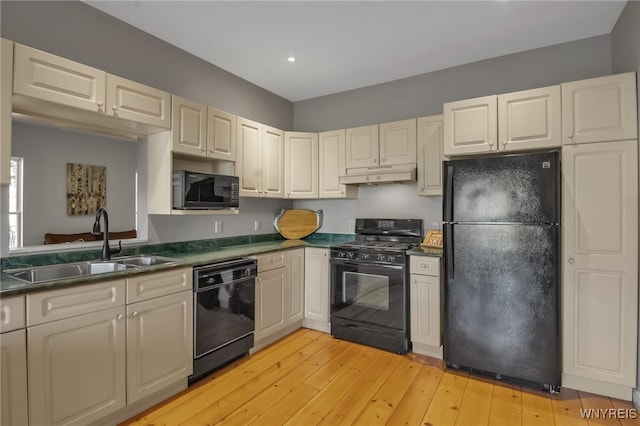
145	260
68	270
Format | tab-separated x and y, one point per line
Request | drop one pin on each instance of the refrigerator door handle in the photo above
447	206
448	253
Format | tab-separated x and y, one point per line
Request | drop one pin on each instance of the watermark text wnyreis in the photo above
608	413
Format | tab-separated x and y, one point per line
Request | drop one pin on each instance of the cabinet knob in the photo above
341	192
378	177
490	143
421	189
120	317
115	107
570	136
504	143
203	149
134	314
375	161
324	254
367	178
100	103
572	260
414	281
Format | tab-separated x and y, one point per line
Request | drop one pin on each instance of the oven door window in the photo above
370	291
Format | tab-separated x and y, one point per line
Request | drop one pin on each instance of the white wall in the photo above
46	152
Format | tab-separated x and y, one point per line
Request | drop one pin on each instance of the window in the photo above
15	203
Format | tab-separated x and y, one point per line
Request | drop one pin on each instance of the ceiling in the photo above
340	45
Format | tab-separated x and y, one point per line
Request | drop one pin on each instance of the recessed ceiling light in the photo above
291	59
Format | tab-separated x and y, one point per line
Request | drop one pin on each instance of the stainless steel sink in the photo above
40	274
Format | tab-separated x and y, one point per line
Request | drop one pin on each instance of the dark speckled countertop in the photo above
187	254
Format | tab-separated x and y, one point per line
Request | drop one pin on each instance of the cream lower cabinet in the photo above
316	289
430	155
600	267
425	296
279	295
13	362
300	165
332	165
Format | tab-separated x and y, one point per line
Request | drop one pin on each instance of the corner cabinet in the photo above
6	89
600	109
430	157
600	267
13	362
316	289
331	147
260	159
279	295
519	121
426	302
300	165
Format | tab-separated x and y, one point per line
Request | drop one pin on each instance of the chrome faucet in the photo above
106	251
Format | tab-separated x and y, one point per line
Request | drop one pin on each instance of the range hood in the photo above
378	175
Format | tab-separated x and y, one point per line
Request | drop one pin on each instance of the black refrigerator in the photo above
501	232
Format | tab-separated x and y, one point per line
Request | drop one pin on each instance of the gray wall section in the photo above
79	32
424	94
625	53
46	152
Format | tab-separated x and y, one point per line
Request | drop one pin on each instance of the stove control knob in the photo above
364	256
351	255
342	254
381	258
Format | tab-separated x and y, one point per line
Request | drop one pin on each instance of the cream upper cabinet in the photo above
470	126
530	119
426	300
398	142
133	101
316	289
77	368
6	88
600	109
300	165
331	147
260	159
189	127
430	157
51	78
221	135
362	148
600	267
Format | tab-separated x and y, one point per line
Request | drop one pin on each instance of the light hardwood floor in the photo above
310	378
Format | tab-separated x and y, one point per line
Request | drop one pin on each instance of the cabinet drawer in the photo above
11	313
270	261
70	302
148	286
425	265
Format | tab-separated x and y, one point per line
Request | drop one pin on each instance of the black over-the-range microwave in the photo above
203	191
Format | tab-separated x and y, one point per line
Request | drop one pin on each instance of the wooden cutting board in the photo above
294	224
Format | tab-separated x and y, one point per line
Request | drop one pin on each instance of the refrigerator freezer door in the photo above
501	305
511	188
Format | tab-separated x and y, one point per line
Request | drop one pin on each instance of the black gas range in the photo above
370	283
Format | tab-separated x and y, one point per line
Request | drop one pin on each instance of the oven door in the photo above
373	293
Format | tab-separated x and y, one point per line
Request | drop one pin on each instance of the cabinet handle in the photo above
375	161
421	189
414	281
341	192
491	144
203	149
100	103
115	107
378	177
367	178
324	254
570	136
134	314
120	317
572	260
504	143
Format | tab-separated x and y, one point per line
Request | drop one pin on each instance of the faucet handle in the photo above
118	250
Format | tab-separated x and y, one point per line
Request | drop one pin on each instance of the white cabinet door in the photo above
221	135
332	165
77	368
54	79
363	147
300	165
295	290
189	127
249	157
530	119
272	162
600	109
6	89
13	377
425	309
271	290
430	156
470	126
159	343
600	265
316	285
136	102
398	142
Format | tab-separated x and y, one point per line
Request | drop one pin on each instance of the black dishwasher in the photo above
223	314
